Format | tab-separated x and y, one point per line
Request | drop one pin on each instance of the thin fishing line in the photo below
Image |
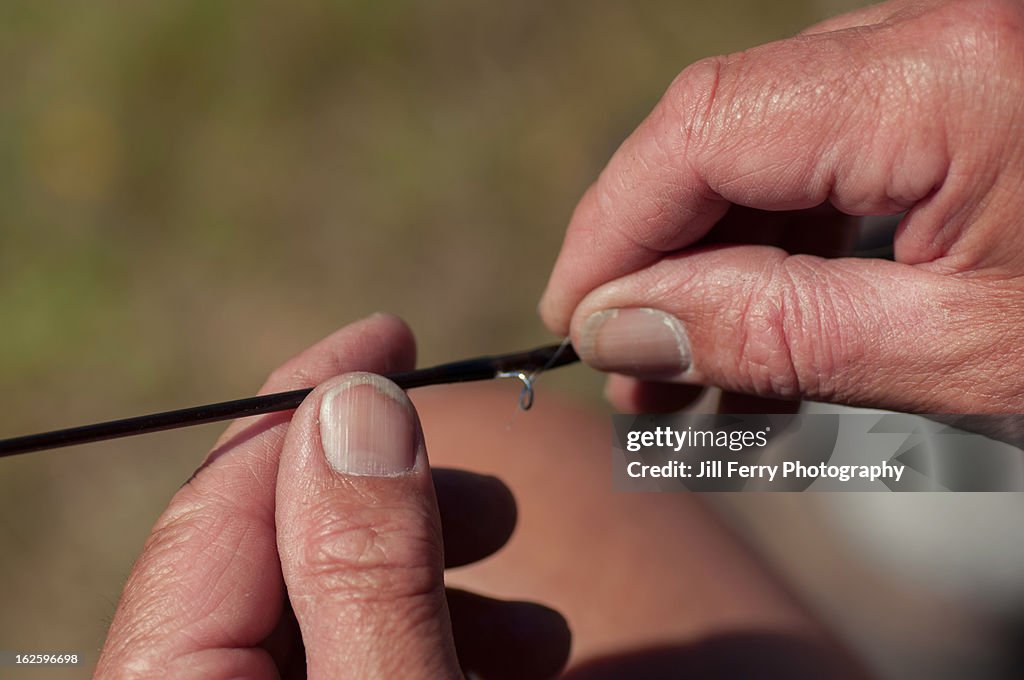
526	396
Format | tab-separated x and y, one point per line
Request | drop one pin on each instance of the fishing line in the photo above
527	394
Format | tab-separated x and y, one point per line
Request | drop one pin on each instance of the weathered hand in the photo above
905	106
314	547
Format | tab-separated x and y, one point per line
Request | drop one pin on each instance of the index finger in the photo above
207	589
840	116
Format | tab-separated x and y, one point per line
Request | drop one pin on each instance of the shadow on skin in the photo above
652	585
733	656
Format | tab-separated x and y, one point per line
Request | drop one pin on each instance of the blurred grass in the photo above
192	191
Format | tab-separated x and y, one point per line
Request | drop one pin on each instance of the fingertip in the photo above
392	332
359	534
639	341
382	343
551	313
627	394
617	389
368	426
393	324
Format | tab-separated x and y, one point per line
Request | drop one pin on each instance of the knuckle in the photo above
695	99
370	553
791	341
764	356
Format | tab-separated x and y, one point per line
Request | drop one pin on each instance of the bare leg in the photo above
652	584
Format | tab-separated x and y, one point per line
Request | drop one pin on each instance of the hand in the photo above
905	106
315	547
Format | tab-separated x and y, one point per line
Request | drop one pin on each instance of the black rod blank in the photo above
481	368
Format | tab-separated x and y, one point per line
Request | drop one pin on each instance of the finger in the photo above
501	640
478	515
755	320
633	395
359	535
822	230
207	588
737	402
382	343
858	18
793	124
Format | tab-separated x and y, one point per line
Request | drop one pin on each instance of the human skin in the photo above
653	585
271	562
288	545
904	106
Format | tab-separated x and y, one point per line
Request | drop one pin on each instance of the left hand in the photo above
300	550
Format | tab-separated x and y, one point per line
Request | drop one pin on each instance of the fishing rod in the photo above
524	366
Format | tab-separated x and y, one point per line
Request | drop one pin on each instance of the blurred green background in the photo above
192	191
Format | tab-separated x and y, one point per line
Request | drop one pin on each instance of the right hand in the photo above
904	106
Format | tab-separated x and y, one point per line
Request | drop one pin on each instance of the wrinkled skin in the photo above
270	564
904	106
266	559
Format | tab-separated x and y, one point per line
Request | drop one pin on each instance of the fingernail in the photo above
642	342
368	427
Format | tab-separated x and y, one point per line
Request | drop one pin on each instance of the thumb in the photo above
754	319
359	535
